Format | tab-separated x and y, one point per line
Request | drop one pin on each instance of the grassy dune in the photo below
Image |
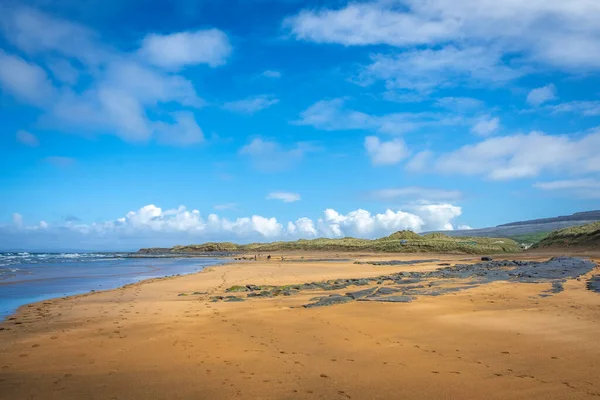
402	242
577	236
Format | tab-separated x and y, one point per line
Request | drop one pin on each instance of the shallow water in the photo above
27	278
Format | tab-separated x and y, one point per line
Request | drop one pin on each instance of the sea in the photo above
30	277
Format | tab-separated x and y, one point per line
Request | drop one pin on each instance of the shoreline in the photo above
21	308
230	261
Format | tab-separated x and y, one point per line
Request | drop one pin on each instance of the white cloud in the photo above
438	216
588	188
426	70
541	95
153	226
270	156
28	139
251	105
554	32
271	74
333	115
521	156
486	126
585	108
26	81
464	227
121	92
420	161
385	153
183	131
183	49
367	23
416	193
286	197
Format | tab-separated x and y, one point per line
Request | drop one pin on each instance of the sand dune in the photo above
500	340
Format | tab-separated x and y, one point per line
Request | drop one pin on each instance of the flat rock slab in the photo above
361	293
387	290
390	299
330	301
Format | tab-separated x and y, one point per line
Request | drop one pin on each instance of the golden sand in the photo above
143	341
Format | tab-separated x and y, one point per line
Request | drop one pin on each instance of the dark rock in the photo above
486	258
390	299
386	290
395	262
361	293
252	287
330	301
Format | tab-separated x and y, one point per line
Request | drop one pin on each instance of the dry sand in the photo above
495	341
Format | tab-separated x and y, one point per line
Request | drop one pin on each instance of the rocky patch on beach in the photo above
395	262
404	287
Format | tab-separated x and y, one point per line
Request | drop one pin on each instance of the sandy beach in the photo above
166	339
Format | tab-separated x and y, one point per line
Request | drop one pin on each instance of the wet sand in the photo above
499	340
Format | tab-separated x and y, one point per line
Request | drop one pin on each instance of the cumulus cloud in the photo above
286	197
519	156
385	153
270	156
122	89
183	49
153	226
541	95
561	34
251	105
486	126
28	139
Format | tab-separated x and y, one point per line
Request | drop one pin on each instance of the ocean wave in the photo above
19	258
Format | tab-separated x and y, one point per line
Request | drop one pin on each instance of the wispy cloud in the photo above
541	95
286	197
226	206
27	139
251	105
270	156
385	152
271	74
519	156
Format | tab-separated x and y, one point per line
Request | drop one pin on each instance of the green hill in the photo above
578	236
401	242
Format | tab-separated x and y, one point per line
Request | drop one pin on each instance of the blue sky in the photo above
137	123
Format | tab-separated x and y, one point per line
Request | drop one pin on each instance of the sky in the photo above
139	123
